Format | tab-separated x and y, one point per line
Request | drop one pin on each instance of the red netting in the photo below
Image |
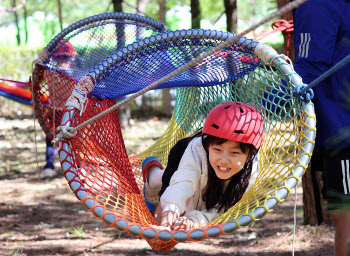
100	165
51	91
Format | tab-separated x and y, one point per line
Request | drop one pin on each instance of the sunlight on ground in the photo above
143	134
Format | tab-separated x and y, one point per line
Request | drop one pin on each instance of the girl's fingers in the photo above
168	218
183	223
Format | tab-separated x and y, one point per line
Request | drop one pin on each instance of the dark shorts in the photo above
337	178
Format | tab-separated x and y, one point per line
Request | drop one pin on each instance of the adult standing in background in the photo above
322	39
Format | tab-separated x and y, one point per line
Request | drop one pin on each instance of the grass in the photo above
14	250
77	231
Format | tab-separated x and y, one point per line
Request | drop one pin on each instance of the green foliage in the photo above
251	11
17	62
77	231
211	10
44	15
71	10
152	8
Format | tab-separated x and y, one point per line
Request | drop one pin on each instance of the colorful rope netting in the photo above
73	52
108	182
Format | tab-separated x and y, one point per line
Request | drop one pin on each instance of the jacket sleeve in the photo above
316	24
184	182
204	217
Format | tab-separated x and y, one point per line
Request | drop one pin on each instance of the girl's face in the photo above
227	159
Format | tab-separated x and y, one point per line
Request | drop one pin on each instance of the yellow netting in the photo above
112	181
108	181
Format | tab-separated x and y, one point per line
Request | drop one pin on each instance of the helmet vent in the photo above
227	107
239	131
215	126
241	110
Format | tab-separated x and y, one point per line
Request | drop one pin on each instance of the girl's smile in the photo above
223	169
227	159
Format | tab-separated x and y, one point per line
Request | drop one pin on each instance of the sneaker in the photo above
47	173
151	195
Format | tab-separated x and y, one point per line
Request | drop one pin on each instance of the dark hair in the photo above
214	196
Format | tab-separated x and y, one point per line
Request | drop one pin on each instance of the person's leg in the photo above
337	169
49	154
49	168
341	222
152	172
154	177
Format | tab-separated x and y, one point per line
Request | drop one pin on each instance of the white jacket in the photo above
184	193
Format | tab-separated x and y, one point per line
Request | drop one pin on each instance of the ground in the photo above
43	217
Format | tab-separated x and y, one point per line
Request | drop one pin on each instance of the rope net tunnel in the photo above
73	52
109	182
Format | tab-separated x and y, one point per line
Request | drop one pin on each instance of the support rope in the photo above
295	219
34	120
332	70
228	42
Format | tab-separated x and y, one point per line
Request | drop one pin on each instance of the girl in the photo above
216	168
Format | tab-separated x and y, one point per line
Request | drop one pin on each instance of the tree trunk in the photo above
288	46
60	13
253	19
196	14
123	111
117	5
314	207
166	98
18	36
25	23
231	15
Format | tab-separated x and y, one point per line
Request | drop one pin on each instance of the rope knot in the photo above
285	26
65	132
305	96
43	56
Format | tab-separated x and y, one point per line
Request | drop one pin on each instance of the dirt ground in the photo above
43	217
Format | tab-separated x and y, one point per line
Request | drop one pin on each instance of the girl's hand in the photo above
168	218
184	224
160	227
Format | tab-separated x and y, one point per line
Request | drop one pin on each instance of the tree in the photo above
166	97
231	15
196	14
117	5
46	13
60	13
18	36
123	111
288	39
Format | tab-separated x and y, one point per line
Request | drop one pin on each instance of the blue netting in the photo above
134	67
82	45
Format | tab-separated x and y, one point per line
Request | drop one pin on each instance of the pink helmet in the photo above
236	121
66	49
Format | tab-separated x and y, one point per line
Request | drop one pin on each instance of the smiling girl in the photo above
208	173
